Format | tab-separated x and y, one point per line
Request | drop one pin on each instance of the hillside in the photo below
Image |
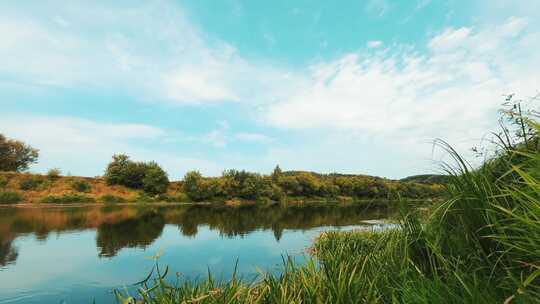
236	186
34	188
429	179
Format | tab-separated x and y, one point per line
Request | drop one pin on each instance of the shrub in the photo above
137	175
10	197
67	198
81	186
197	188
178	198
3	182
308	183
155	179
30	183
53	174
16	155
125	172
144	198
112	199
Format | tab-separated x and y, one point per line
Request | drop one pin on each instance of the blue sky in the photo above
355	86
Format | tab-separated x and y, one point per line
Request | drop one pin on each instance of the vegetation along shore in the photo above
481	245
128	181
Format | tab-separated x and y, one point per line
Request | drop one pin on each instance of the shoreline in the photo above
222	204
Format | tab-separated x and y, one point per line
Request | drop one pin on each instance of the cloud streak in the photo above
452	92
151	51
85	147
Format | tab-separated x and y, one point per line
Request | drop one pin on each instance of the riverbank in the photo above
25	189
482	245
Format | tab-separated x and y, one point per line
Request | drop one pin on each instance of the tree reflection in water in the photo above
126	226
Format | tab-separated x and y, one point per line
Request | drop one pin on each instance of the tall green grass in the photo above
482	245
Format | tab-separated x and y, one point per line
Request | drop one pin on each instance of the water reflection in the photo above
119	227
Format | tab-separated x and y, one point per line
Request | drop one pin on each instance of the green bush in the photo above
145	198
148	176
67	198
155	179
10	197
196	187
81	186
125	172
31	183
112	199
178	198
53	174
3	182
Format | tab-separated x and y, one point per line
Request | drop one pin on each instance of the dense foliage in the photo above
279	185
67	199
148	176
32	182
427	179
16	155
10	197
80	185
53	174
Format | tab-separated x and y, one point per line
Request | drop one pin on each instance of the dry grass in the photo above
62	186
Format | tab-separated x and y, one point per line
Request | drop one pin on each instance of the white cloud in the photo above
452	92
221	136
373	44
151	50
377	7
252	137
421	4
449	39
84	147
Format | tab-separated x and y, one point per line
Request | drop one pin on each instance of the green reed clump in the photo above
31	183
80	185
67	199
112	199
10	197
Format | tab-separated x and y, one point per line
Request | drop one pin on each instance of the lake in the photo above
80	254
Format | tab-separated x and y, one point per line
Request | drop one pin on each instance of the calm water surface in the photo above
78	254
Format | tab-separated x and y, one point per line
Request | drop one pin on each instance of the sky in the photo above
350	86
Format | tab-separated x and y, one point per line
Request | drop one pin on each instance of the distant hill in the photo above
427	179
296	172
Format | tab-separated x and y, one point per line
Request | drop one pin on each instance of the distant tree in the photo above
125	172
192	185
155	180
138	175
290	185
16	155
53	174
276	174
310	184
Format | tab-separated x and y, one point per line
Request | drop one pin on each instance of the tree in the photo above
309	183
155	180
290	185
276	174
192	185
148	176
125	172
16	155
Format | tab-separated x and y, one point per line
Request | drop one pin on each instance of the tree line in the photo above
150	178
279	185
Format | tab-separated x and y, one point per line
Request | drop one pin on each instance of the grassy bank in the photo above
482	245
